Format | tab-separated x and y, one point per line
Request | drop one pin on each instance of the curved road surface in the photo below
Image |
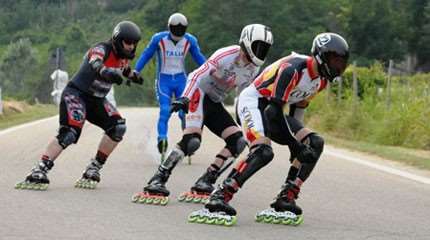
342	200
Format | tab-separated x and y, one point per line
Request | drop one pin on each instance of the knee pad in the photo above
117	132
67	136
263	152
235	143
190	143
316	143
257	159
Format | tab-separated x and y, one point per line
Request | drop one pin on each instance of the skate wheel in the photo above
287	221
297	221
210	220
197	199
201	219
156	201
19	185
219	221
268	219
86	184
135	198
142	199
164	201
259	218
149	200
31	186
182	197
277	220
192	218
231	221
189	198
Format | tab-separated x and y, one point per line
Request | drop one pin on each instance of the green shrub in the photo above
398	121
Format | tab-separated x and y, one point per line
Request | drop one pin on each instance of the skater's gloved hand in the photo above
180	104
111	75
135	77
301	151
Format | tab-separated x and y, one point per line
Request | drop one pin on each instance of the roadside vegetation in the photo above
15	113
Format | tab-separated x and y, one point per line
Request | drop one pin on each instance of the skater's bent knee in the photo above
263	151
116	133
236	143
316	142
67	136
190	143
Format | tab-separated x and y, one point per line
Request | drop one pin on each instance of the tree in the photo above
376	30
18	65
423	45
75	39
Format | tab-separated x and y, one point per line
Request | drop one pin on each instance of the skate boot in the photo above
202	188
283	210
217	211
162	149
37	179
155	192
91	176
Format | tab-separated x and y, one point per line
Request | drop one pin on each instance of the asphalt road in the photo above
341	200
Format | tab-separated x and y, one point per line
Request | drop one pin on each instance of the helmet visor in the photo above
260	49
178	30
337	64
130	41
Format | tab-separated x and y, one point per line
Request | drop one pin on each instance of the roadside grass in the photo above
15	113
413	157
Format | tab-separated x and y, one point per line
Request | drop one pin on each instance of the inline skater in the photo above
292	81
228	68
171	48
84	98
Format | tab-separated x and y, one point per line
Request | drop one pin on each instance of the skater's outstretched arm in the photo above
196	54
147	54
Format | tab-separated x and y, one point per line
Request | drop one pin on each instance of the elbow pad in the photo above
96	64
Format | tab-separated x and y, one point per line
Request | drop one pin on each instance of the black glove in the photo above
303	152
135	77
180	104
110	75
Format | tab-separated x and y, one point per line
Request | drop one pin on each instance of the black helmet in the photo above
331	52
128	32
177	24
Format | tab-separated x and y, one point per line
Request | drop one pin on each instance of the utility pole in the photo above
339	90
354	82
390	70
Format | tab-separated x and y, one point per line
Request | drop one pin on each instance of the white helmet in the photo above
177	24
255	41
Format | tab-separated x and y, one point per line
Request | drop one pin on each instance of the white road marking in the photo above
25	125
379	167
151	148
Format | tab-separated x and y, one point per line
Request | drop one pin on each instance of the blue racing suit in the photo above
170	76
